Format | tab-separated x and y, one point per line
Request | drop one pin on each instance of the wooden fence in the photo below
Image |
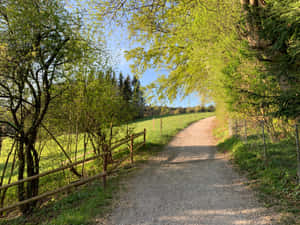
106	172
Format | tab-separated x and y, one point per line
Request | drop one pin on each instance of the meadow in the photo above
79	201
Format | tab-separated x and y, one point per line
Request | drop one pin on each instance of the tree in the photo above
121	82
127	91
272	32
137	98
113	79
109	74
195	41
38	40
245	55
180	36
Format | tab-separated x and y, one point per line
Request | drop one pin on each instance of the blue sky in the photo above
117	43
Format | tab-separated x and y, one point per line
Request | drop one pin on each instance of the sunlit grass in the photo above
275	179
53	158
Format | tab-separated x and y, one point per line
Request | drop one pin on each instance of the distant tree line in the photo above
164	110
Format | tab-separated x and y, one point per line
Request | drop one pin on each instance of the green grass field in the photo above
84	204
276	180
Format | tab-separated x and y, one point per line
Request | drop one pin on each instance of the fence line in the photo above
48	172
81	181
265	132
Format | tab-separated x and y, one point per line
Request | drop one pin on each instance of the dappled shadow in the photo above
191	185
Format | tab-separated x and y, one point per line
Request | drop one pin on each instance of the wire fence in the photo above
264	135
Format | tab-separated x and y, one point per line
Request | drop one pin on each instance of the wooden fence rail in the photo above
84	180
48	172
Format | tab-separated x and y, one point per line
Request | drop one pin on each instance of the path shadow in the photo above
196	153
193	185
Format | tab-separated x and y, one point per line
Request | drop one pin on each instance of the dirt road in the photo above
189	183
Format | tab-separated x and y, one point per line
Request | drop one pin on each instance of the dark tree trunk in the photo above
252	10
32	162
110	158
298	151
1	133
28	156
21	170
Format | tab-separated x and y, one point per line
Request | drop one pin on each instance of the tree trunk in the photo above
252	10
76	142
298	151
28	156
85	143
1	133
110	158
32	162
21	170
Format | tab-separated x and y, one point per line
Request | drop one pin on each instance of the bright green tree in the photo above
37	40
195	41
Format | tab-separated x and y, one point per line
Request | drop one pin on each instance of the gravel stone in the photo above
189	183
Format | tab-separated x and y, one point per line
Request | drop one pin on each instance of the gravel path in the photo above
189	183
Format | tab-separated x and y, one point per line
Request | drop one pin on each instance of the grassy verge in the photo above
275	180
91	201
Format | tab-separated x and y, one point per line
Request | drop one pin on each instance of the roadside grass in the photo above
85	203
275	180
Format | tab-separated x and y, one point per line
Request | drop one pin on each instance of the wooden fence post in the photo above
105	156
246	135
145	136
153	123
264	141
131	149
161	126
298	151
106	149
